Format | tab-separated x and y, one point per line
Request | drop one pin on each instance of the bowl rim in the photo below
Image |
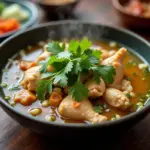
130	116
57	5
29	5
121	8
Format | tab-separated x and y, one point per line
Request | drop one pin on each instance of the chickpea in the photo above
50	118
45	103
35	111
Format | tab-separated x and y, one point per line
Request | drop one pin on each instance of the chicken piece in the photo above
116	99
24	65
24	97
83	112
95	90
126	86
107	53
117	61
31	77
43	56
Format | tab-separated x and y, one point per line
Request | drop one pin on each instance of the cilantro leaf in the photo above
96	53
77	68
54	47
78	91
61	79
68	67
99	109
73	46
107	73
43	68
64	54
47	75
84	45
42	87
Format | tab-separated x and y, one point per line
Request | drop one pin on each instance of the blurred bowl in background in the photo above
32	19
58	9
129	19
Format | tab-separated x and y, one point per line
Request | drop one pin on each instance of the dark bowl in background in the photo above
32	20
58	12
68	30
130	20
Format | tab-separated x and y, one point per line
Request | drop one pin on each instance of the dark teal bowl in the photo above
69	30
33	15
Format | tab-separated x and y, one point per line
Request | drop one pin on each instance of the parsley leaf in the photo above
65	54
69	65
43	86
84	45
73	46
55	48
78	91
99	109
107	73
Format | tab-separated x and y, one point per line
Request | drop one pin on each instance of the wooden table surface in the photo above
15	137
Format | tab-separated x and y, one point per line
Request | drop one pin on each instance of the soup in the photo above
76	82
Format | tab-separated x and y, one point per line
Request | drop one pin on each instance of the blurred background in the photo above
22	14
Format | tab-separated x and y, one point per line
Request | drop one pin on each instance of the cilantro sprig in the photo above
69	65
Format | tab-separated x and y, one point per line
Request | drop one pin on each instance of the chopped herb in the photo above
134	74
12	103
4	85
139	105
99	109
7	97
69	66
128	95
145	72
13	87
115	117
130	64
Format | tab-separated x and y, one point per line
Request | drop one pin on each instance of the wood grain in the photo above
15	137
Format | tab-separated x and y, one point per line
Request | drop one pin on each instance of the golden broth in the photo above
14	75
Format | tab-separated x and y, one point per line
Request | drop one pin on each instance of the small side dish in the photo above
76	81
11	17
138	8
58	2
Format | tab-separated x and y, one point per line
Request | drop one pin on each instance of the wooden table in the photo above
15	137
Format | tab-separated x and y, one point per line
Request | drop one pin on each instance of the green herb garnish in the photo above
99	109
13	87
69	66
130	64
128	95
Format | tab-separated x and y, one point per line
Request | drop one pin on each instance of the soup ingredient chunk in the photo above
116	99
55	99
31	77
117	61
126	86
35	111
24	97
24	65
95	89
106	53
84	112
